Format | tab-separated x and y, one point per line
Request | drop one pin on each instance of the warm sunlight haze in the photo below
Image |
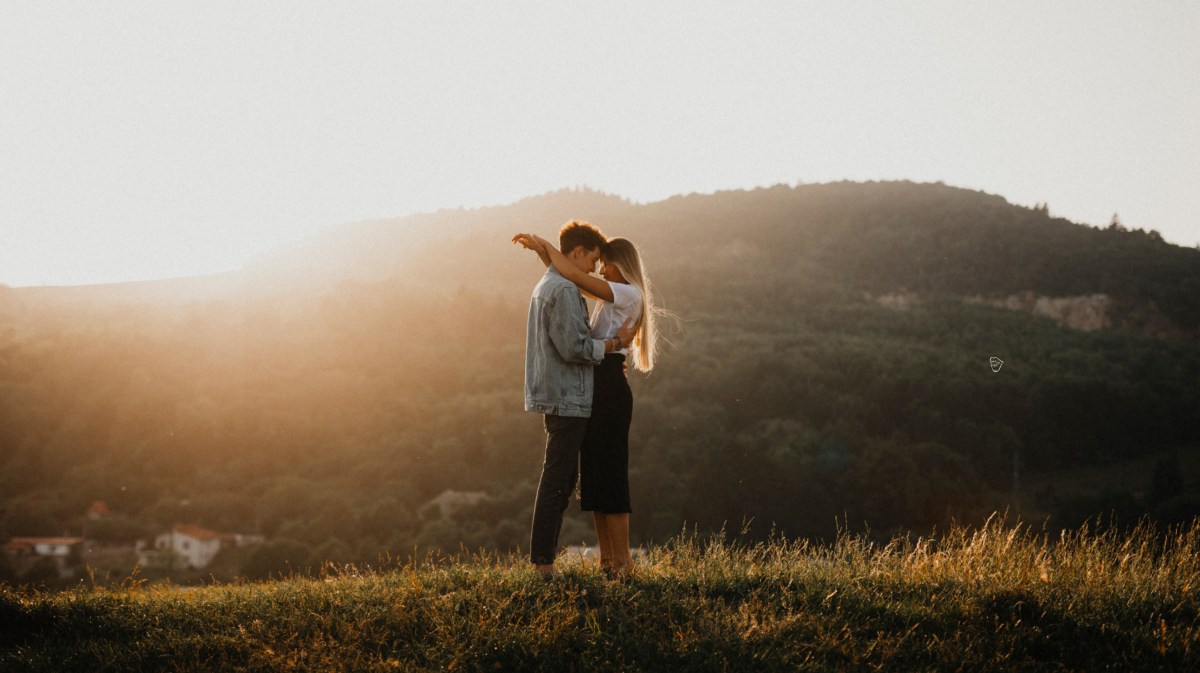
157	140
608	336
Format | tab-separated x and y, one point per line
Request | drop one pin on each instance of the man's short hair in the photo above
578	232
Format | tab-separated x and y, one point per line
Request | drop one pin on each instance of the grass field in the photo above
1003	597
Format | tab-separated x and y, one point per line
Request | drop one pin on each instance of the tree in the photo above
31	518
44	571
8	573
279	557
1166	481
332	551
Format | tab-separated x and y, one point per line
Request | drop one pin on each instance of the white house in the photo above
56	547
67	552
192	545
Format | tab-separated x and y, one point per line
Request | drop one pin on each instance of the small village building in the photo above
240	540
98	510
67	552
186	545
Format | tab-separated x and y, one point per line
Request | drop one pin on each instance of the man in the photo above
559	356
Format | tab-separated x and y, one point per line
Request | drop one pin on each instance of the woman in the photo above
623	294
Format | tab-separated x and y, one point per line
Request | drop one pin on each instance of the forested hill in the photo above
832	360
930	238
876	237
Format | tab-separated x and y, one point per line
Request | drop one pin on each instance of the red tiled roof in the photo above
194	531
45	540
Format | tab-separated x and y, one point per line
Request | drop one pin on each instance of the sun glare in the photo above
211	136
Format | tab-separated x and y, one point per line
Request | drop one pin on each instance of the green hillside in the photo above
323	405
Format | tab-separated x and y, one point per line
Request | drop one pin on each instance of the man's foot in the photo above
546	569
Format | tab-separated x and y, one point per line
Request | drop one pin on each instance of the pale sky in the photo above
159	139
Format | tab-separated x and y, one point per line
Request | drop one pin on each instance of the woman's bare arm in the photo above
598	288
529	243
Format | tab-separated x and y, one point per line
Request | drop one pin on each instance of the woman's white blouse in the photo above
608	316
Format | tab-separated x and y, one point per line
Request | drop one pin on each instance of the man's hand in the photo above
626	332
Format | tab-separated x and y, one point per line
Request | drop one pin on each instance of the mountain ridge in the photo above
875	237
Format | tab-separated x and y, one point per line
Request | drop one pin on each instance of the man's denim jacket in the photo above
559	350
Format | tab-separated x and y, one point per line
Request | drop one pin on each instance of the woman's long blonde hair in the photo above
624	255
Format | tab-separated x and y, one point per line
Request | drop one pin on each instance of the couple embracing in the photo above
575	377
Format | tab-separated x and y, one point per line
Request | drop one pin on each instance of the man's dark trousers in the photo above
564	436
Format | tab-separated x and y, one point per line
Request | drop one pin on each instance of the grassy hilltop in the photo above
1003	597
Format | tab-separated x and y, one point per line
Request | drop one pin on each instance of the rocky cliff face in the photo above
1092	312
1085	312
